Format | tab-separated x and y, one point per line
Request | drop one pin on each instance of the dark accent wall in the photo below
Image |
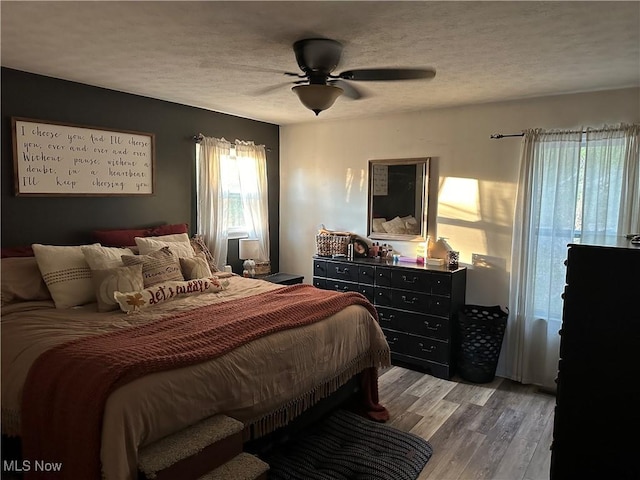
61	220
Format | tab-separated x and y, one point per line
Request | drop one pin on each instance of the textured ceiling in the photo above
223	55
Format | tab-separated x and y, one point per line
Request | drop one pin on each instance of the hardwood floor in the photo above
500	430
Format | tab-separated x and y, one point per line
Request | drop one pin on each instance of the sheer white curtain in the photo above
571	184
252	165
212	217
217	162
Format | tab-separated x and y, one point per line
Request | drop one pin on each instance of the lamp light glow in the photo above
317	97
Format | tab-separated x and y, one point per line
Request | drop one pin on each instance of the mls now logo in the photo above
28	465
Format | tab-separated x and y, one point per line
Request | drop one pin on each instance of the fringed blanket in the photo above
67	387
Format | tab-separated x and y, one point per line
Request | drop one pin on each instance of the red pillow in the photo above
25	251
126	237
119	238
168	230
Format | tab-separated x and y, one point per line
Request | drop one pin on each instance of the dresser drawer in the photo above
396	340
342	271
320	282
421	281
412	301
319	268
427	349
414	280
416	323
383	277
367	291
418	347
340	286
366	274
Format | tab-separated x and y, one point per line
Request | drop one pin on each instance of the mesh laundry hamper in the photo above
480	333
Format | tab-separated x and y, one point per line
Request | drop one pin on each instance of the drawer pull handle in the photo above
429	327
405	279
389	317
428	350
407	300
343	271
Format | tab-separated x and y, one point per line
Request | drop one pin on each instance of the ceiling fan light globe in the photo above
317	97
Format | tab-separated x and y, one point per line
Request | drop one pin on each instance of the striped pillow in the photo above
66	274
157	267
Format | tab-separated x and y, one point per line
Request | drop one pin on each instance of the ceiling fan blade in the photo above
349	90
271	88
384	74
292	74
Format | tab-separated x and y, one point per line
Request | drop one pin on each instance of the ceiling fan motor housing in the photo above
318	55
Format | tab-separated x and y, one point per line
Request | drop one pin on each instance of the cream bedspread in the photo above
253	383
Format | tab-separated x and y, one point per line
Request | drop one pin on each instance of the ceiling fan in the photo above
318	87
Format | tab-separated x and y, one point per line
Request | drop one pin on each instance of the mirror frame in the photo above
424	224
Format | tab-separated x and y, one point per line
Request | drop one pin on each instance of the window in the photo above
231	194
573	186
236	221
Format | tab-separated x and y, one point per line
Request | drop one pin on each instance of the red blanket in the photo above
67	387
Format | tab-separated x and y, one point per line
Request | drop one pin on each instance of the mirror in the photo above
398	199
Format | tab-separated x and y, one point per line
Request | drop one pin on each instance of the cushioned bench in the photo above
195	451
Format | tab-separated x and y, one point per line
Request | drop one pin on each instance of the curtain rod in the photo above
199	137
521	134
500	135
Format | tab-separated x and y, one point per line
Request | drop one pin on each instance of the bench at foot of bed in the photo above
208	450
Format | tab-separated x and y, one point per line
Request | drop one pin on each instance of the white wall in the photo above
323	175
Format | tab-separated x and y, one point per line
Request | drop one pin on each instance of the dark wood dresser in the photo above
417	305
597	414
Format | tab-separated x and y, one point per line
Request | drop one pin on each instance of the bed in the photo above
265	379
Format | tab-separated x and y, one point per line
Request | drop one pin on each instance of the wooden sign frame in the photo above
63	159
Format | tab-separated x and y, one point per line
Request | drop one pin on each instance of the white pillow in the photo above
178	243
101	258
66	273
395	226
377	224
162	292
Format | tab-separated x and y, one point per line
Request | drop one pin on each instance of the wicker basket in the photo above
328	244
481	330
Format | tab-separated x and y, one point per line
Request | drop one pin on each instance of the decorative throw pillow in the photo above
137	300
66	273
195	267
99	257
178	243
157	267
395	226
167	229
119	238
110	280
22	281
199	246
377	225
411	224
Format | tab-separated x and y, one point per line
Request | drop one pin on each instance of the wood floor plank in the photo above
489	455
406	421
500	430
516	459
478	394
433	419
539	410
540	465
437	391
450	463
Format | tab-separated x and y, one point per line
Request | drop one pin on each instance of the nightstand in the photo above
283	278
